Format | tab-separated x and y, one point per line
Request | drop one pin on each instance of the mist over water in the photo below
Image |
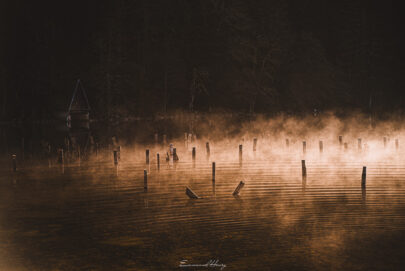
92	214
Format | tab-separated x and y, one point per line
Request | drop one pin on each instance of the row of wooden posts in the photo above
304	171
191	137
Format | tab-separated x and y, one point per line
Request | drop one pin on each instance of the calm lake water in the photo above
95	216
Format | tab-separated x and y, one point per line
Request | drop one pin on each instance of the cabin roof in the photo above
79	102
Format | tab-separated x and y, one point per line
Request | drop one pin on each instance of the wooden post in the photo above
240	153
304	170
119	152
145	179
304	147
114	141
22	149
158	161
115	157
385	142
363	178
147	156
191	194
254	144
49	155
213	171
193	154
67	145
78	154
175	157
396	144
238	188
60	157
207	148
14	160
320	146
340	141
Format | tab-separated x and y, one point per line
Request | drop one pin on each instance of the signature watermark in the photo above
209	264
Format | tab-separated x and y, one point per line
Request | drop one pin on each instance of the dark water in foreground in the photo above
97	217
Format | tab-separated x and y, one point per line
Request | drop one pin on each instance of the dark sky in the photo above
137	57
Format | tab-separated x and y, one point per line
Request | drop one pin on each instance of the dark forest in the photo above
141	58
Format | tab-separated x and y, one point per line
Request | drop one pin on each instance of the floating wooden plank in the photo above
191	194
238	188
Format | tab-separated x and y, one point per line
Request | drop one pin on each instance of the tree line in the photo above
138	58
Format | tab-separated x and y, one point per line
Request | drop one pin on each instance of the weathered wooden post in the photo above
114	141
193	154
78	155
14	160
145	179
385	142
115	157
213	171
304	171
396	144
304	147
340	141
254	144
175	156
238	188
240	153
363	178
68	150
158	161
60	156
190	138
359	144
22	149
147	156
49	155
191	194
321	146
207	148
167	157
